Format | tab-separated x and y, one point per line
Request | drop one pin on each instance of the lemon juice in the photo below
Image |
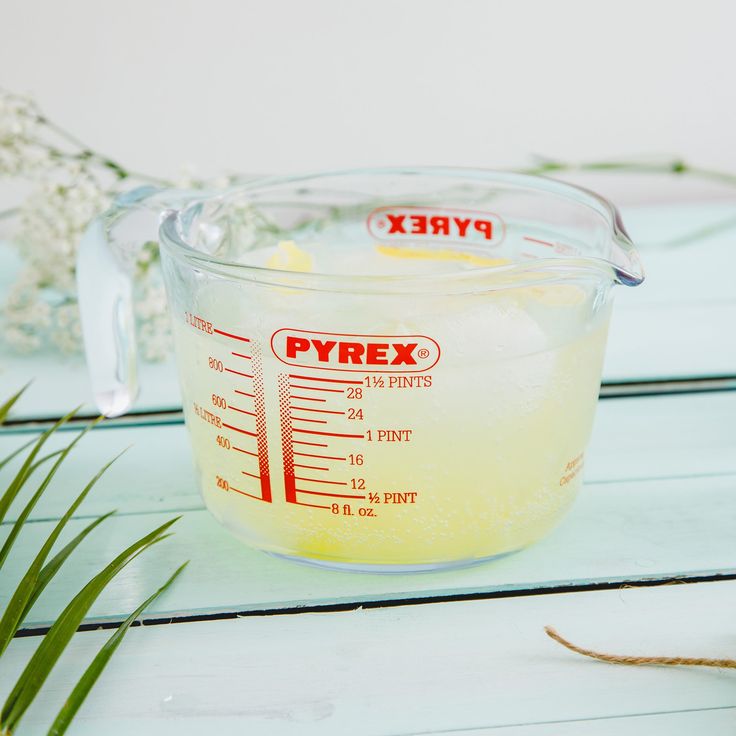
431	430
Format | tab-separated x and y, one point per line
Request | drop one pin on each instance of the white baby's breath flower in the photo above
26	314
41	306
21	151
66	332
52	221
187	177
22	340
71	184
19	117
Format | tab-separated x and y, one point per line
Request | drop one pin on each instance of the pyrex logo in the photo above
432	223
347	352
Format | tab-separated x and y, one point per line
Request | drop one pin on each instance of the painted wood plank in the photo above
61	382
680	269
154	474
420	669
716	722
633	438
615	532
663	436
678	324
671	341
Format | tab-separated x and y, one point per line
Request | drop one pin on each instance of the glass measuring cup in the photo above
384	370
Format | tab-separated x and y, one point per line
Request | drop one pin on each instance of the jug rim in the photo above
626	269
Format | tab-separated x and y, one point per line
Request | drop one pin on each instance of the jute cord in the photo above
622	659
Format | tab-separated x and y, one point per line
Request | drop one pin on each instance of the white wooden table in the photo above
245	643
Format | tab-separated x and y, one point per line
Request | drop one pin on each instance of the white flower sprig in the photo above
69	185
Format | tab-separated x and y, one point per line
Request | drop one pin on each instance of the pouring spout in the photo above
624	257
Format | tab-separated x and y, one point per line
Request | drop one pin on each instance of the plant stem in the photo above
86	153
675	167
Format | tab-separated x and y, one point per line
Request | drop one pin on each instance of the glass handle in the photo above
106	263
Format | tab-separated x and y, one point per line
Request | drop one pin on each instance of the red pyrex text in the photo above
335	351
429	223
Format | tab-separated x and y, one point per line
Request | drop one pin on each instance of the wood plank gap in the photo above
667	387
186	618
561	722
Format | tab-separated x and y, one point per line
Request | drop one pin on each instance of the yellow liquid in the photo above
493	453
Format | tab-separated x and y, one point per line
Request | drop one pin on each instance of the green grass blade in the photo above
16	528
13	614
8	405
4	551
22	475
98	664
25	446
54	565
58	636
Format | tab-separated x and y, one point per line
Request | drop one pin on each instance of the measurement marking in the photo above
242	411
250	495
240	355
246	452
311	444
245	393
541	242
311	505
318	411
238	429
317	480
311	467
314	421
229	334
264	470
287	441
332	495
315	388
326	380
324	457
329	434
257	477
238	373
306	398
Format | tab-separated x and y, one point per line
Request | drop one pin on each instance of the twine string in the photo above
623	659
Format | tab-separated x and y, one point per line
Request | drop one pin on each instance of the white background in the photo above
294	85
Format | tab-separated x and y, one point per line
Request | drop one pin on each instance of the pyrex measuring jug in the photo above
382	370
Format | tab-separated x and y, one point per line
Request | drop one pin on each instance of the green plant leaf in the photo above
13	614
15	531
24	446
98	664
53	644
8	405
53	566
24	473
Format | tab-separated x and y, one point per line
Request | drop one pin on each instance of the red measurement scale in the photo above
320	380
311	448
249	415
